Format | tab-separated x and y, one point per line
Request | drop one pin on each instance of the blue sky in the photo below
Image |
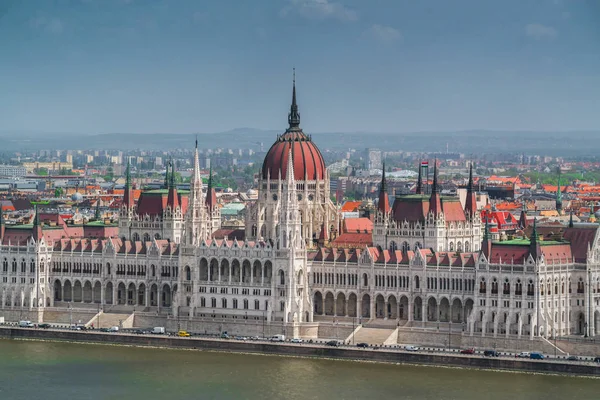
146	66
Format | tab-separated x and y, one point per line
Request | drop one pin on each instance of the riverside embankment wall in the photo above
302	350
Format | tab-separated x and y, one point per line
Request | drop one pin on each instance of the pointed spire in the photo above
470	184
294	115
166	184
435	203
534	242
172	175
420	180
571	219
384	203
534	234
36	217
434	188
211	195
558	195
471	200
127	193
127	175
383	187
172	198
97	212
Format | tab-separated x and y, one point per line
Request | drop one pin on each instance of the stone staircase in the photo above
106	320
372	335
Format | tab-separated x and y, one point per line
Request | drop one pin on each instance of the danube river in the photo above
52	370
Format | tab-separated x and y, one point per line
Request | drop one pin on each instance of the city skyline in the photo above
150	67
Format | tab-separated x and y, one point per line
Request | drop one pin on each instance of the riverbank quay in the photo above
382	355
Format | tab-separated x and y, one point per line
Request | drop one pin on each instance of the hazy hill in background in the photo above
468	142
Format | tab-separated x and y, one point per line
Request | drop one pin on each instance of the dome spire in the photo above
294	115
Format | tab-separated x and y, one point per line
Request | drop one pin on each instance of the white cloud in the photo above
50	25
539	31
320	9
383	33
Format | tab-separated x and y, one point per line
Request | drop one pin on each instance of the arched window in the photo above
405	247
467	246
417	246
157	236
188	273
202	302
459	246
136	237
223	303
506	287
281	277
23	266
245	304
365	280
153	270
393	246
146	237
519	288
482	286
5	265
107	268
530	288
32	267
451	246
417	282
494	286
14	266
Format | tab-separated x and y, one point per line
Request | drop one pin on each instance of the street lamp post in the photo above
353	330
263	324
70	315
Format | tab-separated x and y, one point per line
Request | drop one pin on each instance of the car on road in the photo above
536	356
333	343
183	334
467	351
523	354
104	329
75	328
113	329
224	335
491	353
44	325
597	360
411	348
572	358
255	338
241	338
363	345
296	340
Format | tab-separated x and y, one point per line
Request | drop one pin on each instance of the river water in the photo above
54	370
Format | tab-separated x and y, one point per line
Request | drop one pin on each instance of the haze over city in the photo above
136	66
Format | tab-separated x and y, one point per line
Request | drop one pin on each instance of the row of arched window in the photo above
14	266
235	304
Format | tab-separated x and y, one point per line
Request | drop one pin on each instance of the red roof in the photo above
350	206
353	239
308	161
415	208
357	225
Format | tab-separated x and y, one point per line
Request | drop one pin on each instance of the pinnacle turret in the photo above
294	115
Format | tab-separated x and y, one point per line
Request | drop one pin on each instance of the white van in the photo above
278	338
158	330
113	329
26	324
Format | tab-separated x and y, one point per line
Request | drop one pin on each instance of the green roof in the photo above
527	242
99	223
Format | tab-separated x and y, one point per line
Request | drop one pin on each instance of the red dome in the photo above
308	161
